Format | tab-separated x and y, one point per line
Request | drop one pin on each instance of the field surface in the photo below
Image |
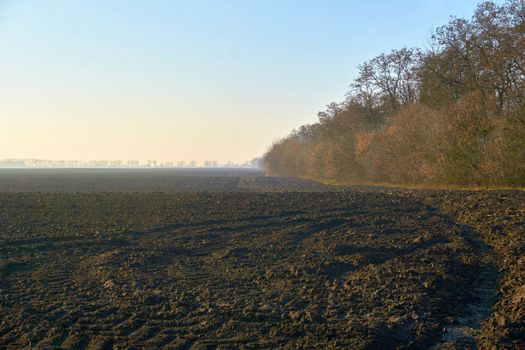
230	259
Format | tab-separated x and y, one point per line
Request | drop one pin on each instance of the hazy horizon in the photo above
186	80
122	164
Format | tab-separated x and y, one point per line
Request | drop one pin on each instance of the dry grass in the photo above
436	187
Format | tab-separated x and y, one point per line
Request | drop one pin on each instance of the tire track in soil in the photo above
466	332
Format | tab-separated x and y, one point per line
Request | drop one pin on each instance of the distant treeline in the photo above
451	114
45	163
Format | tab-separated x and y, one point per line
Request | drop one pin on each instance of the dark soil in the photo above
238	261
499	219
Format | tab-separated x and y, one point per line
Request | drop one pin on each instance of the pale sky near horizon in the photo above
186	80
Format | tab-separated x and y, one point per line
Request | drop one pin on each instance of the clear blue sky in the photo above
182	80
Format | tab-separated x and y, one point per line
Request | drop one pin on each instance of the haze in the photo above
185	80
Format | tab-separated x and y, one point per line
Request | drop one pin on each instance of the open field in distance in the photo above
229	259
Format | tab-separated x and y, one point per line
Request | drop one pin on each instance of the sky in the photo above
186	79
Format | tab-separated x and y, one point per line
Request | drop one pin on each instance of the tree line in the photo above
453	113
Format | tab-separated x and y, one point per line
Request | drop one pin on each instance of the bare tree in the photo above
389	79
